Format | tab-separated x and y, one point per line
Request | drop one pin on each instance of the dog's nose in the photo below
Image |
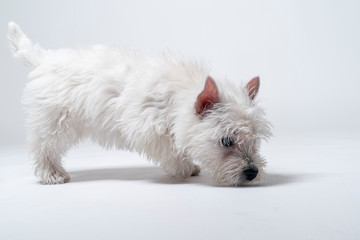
250	173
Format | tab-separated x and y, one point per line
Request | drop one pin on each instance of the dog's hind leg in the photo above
49	138
48	166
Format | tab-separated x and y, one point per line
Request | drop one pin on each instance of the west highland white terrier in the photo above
170	110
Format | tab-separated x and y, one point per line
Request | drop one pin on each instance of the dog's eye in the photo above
227	141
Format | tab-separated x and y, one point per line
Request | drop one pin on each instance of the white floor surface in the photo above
311	192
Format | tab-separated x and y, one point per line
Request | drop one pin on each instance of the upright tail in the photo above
22	47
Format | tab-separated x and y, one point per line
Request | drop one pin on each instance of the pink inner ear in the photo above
253	87
207	97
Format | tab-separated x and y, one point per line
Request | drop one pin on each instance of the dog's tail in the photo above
22	47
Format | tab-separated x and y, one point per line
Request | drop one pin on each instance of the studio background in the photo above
307	54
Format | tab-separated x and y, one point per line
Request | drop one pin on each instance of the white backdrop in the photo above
307	53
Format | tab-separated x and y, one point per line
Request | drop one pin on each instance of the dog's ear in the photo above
253	87
208	97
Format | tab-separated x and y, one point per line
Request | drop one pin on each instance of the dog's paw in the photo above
55	178
196	171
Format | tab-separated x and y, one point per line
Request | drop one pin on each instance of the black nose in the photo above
250	173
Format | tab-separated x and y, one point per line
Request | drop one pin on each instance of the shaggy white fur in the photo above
170	110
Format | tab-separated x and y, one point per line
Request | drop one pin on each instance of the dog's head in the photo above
226	139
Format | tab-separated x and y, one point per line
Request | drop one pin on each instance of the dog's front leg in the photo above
180	167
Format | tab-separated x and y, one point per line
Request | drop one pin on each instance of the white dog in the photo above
170	110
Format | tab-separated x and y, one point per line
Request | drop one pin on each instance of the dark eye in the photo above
227	141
